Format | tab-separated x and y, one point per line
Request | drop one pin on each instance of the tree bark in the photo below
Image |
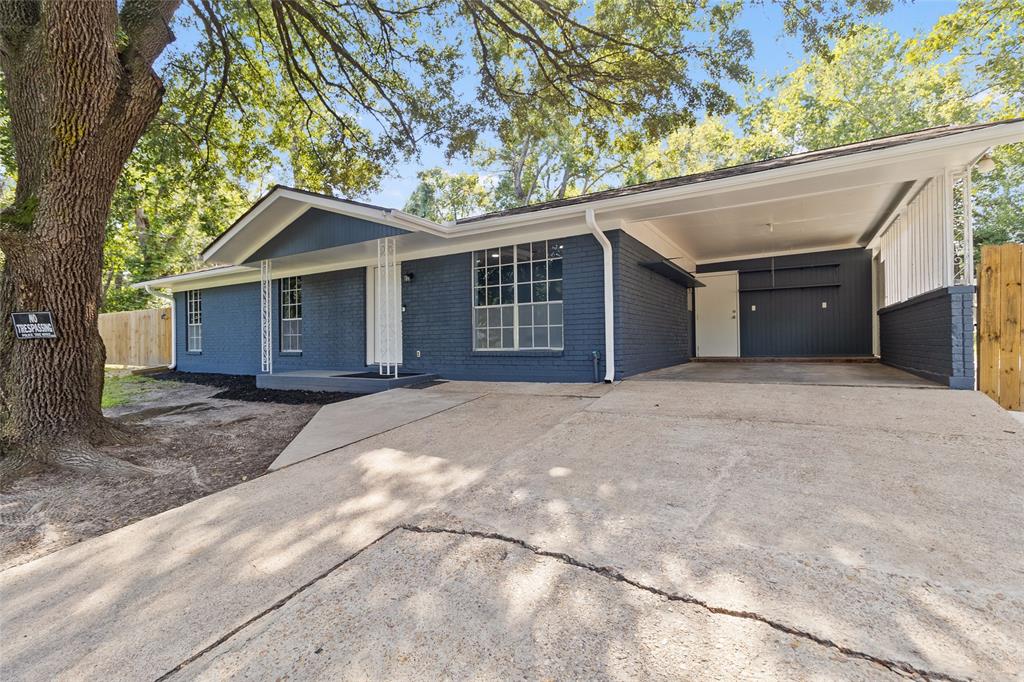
79	101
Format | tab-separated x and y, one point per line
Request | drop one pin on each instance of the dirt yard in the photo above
204	437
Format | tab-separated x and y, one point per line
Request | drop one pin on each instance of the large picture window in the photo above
194	318
517	297
291	314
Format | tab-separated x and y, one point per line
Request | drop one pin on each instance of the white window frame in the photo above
500	308
287	314
194	321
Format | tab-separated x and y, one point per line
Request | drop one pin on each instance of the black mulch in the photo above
243	387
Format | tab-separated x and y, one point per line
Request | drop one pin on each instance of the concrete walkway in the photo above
339	424
657	529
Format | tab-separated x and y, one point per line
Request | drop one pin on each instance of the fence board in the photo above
140	338
988	323
1009	336
1001	324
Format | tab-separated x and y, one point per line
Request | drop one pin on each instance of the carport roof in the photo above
752	167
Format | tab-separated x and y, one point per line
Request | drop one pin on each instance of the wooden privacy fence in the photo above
1000	333
140	338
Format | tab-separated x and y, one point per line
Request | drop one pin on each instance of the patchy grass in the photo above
121	389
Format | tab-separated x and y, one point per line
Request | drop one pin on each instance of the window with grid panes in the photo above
194	318
291	314
517	297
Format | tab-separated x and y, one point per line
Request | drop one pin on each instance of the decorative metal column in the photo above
266	319
387	307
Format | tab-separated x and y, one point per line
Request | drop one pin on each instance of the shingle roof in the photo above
746	168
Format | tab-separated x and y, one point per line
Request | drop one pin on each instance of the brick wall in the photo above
932	335
333	322
652	327
333	326
231	331
437	321
652	323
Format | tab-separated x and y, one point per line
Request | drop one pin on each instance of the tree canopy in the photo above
871	83
329	97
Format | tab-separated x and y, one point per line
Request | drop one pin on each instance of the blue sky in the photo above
773	54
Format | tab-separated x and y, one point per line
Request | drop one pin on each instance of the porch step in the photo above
339	381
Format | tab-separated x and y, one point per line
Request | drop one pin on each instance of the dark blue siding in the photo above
316	229
438	321
932	335
788	292
333	322
231	331
652	322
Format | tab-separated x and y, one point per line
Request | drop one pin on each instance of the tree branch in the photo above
147	24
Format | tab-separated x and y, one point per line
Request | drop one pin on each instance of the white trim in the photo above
489	230
791	252
384	216
282	289
654	238
609	298
890	218
193	308
371	315
968	209
948	253
241	274
855	160
851	161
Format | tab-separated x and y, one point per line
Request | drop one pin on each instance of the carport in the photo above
845	253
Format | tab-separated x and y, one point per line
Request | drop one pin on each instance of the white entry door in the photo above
375	299
718	323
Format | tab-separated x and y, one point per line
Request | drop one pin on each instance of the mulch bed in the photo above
243	387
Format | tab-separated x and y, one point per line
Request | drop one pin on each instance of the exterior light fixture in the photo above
985	165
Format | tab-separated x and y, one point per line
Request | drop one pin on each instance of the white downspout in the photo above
174	324
609	299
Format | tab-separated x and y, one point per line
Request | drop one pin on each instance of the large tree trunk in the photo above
79	101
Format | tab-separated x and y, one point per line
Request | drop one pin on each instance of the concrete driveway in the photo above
655	529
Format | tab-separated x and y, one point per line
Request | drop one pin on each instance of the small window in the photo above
517	297
194	318
291	315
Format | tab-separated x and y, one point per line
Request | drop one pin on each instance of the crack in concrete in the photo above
273	607
901	668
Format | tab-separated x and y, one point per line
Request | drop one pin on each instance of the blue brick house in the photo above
853	251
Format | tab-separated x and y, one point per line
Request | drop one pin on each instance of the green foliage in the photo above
871	83
442	196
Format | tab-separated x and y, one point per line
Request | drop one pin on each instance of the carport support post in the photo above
609	298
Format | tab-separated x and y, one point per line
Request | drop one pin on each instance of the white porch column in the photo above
266	319
948	238
387	308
